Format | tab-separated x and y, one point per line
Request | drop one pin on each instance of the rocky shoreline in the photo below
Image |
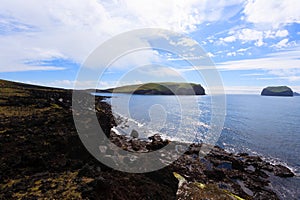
42	157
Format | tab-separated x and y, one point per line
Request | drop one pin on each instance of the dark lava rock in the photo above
134	134
282	171
225	165
156	142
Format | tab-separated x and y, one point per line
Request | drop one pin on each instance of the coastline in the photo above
43	157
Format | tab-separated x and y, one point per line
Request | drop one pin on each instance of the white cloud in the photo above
253	74
253	35
288	74
164	72
245	35
69	84
281	44
281	33
184	41
229	39
249	34
23	67
184	69
293	78
150	73
231	54
73	28
242	89
272	14
275	34
259	43
288	78
243	49
211	55
281	64
187	58
136	58
281	60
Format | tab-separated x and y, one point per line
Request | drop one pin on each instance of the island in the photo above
161	88
277	91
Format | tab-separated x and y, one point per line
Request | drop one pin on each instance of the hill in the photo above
277	91
162	88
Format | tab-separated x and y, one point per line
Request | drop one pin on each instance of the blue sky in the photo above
252	43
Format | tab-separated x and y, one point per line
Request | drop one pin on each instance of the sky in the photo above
252	43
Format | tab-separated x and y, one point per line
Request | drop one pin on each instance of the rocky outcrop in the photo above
241	174
277	91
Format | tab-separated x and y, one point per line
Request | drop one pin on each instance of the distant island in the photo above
161	88
296	94
277	91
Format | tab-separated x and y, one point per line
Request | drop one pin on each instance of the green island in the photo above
161	88
277	91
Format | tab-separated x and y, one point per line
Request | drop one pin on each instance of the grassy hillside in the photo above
278	88
40	151
277	91
162	88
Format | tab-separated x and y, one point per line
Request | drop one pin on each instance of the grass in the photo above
19	111
161	87
9	92
16	99
278	88
27	113
63	185
9	183
199	191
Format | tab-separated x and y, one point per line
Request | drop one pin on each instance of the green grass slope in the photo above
162	88
277	91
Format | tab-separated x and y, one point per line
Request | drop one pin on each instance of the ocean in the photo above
258	125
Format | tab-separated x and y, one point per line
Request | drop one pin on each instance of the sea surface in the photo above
259	125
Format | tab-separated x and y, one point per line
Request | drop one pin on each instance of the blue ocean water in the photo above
261	125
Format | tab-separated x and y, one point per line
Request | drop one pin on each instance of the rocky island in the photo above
277	91
42	157
161	88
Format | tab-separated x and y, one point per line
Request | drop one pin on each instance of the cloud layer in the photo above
50	30
239	35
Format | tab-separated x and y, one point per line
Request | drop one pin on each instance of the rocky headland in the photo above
42	157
